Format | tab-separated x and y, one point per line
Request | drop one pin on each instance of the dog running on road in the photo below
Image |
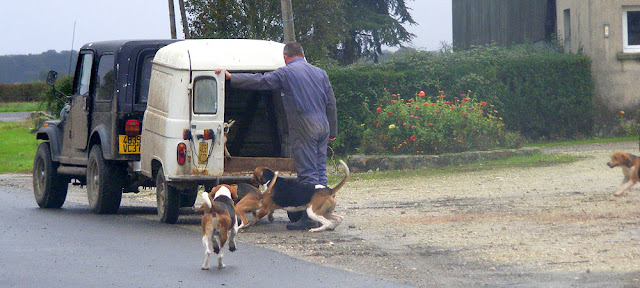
630	165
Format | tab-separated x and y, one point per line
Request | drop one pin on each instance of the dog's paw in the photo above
232	248
204	268
221	266
216	250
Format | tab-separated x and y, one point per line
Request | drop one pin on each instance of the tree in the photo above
371	24
345	30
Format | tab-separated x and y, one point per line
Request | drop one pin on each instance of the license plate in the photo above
129	145
203	152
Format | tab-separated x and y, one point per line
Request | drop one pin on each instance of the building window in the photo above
631	29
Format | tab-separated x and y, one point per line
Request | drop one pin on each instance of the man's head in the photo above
291	51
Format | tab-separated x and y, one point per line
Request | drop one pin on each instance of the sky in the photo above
36	26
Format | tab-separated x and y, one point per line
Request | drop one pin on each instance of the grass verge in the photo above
537	160
21	107
18	147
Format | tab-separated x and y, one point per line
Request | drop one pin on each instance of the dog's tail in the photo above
207	201
346	176
271	183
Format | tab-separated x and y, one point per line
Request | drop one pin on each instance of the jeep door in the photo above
79	113
206	123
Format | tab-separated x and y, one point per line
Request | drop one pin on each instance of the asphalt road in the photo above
71	247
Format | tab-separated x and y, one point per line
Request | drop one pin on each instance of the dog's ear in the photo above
234	191
626	160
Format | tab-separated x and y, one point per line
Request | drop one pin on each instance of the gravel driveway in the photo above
555	226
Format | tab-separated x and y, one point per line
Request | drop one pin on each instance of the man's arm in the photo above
332	112
251	81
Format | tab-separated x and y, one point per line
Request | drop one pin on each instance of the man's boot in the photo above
305	223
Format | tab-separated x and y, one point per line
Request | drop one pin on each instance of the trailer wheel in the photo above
168	199
49	188
104	183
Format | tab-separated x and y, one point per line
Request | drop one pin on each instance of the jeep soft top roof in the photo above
230	54
125	45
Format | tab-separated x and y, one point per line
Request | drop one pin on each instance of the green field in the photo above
17	147
20	107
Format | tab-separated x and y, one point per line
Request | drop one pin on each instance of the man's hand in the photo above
227	75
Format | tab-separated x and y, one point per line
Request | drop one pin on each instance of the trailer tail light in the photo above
186	134
182	153
209	134
132	128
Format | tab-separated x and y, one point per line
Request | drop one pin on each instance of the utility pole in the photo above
172	19
183	15
287	21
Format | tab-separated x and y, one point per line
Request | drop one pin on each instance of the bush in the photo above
421	125
22	92
55	102
540	93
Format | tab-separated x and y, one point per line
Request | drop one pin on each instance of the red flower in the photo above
437	112
465	99
483	104
393	101
378	110
399	122
430	124
410	101
453	106
412	138
464	113
463	95
394	95
421	94
390	113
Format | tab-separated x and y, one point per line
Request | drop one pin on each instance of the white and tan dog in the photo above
227	127
630	165
218	222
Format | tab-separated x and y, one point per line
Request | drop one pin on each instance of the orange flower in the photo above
378	110
393	101
421	94
430	124
621	112
464	113
390	113
394	95
412	138
410	101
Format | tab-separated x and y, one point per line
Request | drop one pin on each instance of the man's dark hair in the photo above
293	49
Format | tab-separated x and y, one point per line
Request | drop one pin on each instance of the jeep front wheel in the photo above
104	183
168	199
49	188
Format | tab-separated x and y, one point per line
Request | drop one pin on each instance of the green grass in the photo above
585	141
17	147
20	107
537	160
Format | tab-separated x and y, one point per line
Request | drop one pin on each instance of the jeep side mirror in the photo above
52	77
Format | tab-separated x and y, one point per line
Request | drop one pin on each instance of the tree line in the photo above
34	67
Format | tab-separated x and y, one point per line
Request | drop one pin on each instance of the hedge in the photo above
22	92
540	93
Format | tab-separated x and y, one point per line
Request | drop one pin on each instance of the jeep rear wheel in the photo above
168	199
49	188
104	183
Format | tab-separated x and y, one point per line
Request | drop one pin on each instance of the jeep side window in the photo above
82	87
142	94
106	78
205	96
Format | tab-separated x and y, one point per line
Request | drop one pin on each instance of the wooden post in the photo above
287	21
172	19
185	25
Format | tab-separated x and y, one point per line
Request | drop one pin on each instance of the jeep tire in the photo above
168	198
104	183
49	188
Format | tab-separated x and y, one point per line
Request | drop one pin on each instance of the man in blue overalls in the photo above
310	106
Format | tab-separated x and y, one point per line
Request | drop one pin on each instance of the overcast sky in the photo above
35	26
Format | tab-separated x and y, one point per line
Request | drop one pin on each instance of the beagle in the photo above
630	164
218	222
249	200
319	201
227	127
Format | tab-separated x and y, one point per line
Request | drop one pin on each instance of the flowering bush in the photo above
421	125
